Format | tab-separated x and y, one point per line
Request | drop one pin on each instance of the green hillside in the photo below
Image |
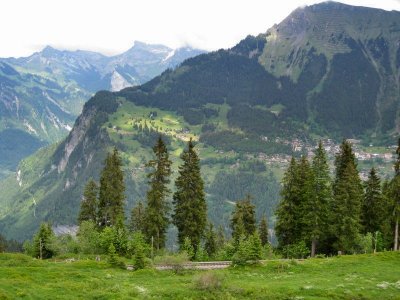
41	95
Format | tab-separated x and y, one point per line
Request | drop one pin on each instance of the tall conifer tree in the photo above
318	201
395	188
263	230
210	244
137	218
245	211
156	217
111	192
373	208
190	208
88	210
347	200
287	223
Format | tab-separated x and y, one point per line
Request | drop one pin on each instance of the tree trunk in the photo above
396	235
313	247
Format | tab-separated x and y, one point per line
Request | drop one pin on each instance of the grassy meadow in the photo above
346	277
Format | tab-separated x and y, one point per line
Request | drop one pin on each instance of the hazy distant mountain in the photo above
41	95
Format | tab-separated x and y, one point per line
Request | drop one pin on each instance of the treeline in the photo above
228	140
104	230
320	214
9	245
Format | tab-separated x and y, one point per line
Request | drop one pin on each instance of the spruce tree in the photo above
347	200
220	239
245	211
88	210
316	206
255	247
263	231
190	208
111	192
373	207
286	227
296	191
388	207
137	218
43	242
395	188
156	217
238	230
210	245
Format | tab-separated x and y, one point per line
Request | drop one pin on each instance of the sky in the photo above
112	26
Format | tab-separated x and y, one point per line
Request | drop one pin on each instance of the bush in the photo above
176	261
267	251
188	248
113	258
89	238
298	250
365	243
64	244
226	252
209	281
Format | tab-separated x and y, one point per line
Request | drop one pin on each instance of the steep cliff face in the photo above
49	184
41	95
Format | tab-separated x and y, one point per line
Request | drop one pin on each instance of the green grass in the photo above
347	277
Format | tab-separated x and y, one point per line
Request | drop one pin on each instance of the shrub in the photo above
89	238
176	261
113	258
299	250
209	281
188	248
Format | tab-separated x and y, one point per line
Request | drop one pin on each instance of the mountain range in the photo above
41	95
327	71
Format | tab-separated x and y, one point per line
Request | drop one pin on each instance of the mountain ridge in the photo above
42	94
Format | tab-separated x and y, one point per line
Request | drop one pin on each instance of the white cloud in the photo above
111	26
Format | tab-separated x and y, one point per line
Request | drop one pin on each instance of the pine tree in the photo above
156	219
395	188
316	206
238	230
255	247
245	211
88	210
111	192
137	218
210	244
3	244
190	208
112	256
187	246
43	242
139	251
347	200
289	227
387	225
373	207
263	230
220	239
286	222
